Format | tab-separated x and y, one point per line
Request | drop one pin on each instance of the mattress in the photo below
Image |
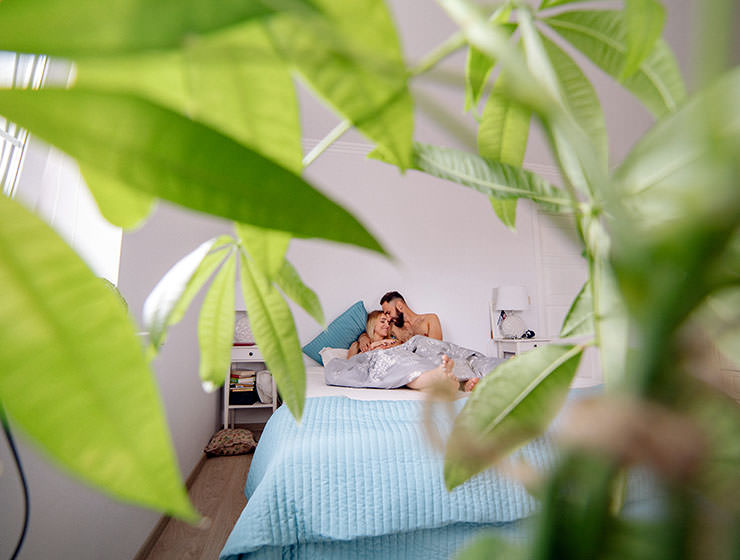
359	478
362	473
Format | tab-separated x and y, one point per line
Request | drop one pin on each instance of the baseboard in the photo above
161	525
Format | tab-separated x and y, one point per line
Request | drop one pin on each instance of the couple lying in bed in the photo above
419	363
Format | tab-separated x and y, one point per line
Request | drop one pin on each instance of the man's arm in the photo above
353	350
363	342
435	327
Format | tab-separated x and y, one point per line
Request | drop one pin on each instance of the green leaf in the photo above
266	248
536	58
274	332
613	324
644	26
170	298
580	317
678	171
72	373
580	98
352	58
600	35
216	327
293	287
504	127
553	3
509	406
119	204
487	545
479	65
505	210
79	27
492	178
720	316
232	81
159	152
477	69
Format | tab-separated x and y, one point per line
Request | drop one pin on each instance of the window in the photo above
48	181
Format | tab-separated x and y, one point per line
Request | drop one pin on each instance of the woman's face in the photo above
382	326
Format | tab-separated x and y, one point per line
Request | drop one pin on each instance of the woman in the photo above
419	363
378	328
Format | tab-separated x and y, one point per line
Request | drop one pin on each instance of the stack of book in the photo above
242	384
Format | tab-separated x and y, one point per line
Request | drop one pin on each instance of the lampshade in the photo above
511	298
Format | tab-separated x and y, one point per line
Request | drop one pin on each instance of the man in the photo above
404	322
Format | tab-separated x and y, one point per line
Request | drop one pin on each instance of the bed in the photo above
359	478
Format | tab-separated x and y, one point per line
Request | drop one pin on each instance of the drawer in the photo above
246	354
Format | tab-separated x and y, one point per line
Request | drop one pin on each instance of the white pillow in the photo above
328	354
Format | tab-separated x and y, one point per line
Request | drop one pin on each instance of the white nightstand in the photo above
252	356
510	347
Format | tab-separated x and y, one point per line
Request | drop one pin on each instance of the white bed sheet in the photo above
316	387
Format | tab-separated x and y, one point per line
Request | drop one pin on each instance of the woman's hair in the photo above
372	318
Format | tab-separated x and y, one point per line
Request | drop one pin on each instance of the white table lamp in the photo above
509	301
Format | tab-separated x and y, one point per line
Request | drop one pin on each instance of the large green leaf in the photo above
72	372
579	319
504	127
509	406
552	3
232	81
274	331
645	20
293	287
536	58
580	98
484	544
600	35
611	322
170	298
502	136
720	316
78	27
159	152
119	204
479	65
489	177
266	248
352	58
680	172
216	327
505	210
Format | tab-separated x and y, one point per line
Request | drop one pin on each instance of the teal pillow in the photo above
340	333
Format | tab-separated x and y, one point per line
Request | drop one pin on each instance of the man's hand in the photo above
364	342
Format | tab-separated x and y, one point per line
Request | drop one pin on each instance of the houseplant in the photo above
659	232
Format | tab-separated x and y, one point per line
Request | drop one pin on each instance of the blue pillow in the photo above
340	333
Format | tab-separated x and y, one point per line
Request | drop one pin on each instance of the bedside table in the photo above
251	358
510	347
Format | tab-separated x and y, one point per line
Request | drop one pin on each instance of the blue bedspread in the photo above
365	472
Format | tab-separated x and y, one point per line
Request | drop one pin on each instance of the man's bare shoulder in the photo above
429	325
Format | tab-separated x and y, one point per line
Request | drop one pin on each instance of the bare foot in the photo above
440	377
470	384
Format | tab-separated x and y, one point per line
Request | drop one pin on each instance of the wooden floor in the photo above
217	492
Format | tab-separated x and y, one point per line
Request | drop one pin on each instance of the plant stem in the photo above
327	141
449	46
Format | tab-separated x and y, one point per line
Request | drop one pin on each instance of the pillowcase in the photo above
231	441
328	354
340	333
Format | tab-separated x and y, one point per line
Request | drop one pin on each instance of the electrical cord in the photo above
14	450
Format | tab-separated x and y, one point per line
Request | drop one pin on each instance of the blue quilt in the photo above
363	476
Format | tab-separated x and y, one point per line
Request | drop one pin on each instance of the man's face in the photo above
391	308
